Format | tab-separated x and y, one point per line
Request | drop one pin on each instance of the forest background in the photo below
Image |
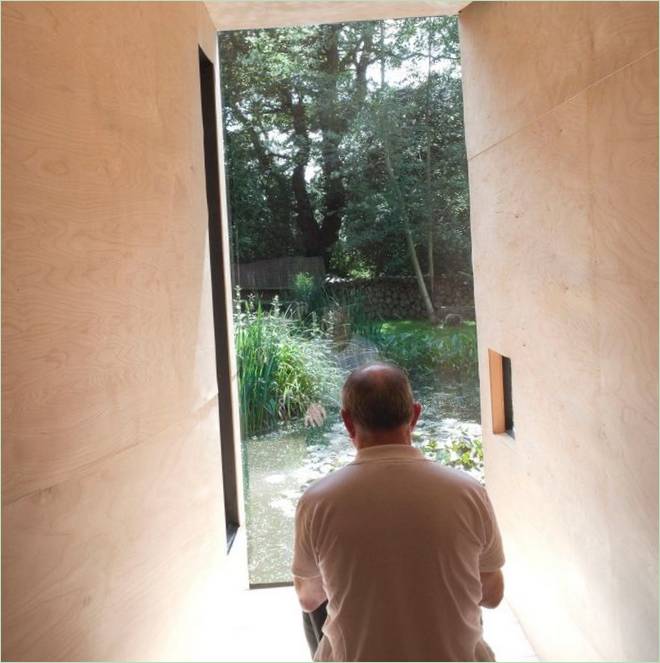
346	142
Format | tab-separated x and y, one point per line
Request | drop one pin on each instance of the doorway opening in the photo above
347	186
222	345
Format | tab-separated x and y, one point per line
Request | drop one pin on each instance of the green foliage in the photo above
421	125
308	296
286	361
306	117
290	95
462	451
421	347
282	367
303	287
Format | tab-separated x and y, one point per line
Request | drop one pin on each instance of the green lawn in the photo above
421	346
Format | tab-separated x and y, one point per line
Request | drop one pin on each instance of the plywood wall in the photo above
561	108
112	517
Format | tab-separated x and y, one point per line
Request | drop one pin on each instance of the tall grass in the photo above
283	367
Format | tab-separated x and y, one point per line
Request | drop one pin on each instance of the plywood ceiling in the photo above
242	14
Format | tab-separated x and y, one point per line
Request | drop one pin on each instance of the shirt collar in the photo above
388	452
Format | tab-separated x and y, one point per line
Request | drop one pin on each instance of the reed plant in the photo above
283	366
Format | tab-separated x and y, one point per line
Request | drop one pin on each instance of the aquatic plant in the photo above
283	367
462	451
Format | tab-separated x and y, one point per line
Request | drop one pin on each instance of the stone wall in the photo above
399	298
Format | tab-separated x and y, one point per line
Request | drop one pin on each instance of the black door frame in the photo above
223	345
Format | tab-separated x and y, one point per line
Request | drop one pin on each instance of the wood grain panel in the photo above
624	174
566	45
117	550
542	291
532	251
112	482
240	15
564	232
104	235
536	304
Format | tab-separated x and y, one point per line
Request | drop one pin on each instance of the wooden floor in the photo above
267	626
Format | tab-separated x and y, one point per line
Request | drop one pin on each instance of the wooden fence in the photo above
276	273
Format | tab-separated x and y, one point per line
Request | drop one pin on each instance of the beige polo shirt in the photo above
399	542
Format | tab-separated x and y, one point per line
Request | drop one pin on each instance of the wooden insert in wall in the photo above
497	391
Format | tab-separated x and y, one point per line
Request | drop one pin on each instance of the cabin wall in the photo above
112	515
561	110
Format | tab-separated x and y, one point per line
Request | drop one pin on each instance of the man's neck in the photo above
367	439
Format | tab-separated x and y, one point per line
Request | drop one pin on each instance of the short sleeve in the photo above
304	560
492	553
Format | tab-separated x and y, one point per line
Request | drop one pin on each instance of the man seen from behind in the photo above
404	550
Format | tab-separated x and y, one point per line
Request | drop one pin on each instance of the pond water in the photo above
279	466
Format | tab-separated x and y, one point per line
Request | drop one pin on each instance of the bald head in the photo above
378	397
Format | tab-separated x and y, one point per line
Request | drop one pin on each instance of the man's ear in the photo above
348	422
417	410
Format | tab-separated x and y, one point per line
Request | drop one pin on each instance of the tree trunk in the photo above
428	304
431	265
403	211
419	276
310	232
333	128
429	192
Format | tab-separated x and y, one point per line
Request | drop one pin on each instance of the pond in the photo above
278	466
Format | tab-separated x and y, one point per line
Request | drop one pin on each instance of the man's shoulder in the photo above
460	478
450	481
328	484
337	481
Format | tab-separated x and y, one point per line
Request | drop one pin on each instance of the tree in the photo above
293	94
346	141
410	173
